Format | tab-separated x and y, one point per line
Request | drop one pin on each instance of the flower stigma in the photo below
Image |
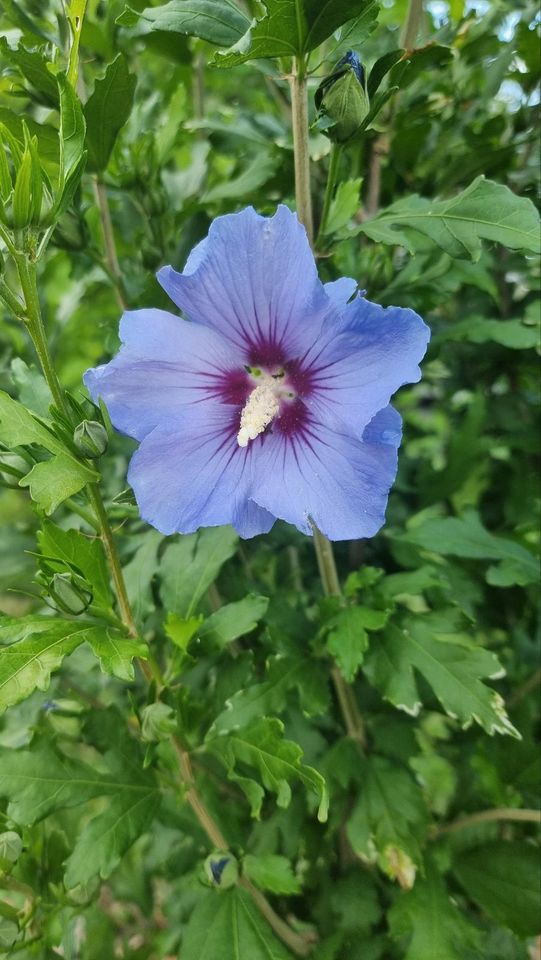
261	406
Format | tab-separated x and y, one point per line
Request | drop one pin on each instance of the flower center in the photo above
261	406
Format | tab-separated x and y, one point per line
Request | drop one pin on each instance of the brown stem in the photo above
102	203
298	944
530	684
488	816
299	121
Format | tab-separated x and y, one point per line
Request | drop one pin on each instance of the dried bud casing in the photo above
90	438
342	100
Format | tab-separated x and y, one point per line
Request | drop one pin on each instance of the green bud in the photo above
342	100
158	722
90	438
221	870
69	594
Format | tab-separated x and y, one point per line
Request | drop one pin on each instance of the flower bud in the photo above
90	438
68	594
158	722
342	100
222	870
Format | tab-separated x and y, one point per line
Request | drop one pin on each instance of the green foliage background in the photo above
404	825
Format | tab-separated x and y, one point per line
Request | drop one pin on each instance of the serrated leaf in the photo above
271	872
36	646
504	879
434	926
107	110
352	34
75	551
277	761
348	638
33	67
38	781
228	925
115	651
190	565
283	674
389	818
50	481
291	28
466	537
218	21
107	837
451	663
234	620
484	211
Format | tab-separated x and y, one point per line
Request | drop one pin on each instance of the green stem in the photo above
34	321
353	721
490	816
334	163
98	506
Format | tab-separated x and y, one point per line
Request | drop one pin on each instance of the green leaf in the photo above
35	648
277	761
344	205
509	333
451	663
504	879
140	572
291	28
74	551
352	34
434	926
9	931
107	110
258	171
218	21
260	699
107	837
115	651
190	565
228	926
39	781
484	211
466	537
72	132
271	872
348	638
234	620
11	846
33	67
389	819
50	481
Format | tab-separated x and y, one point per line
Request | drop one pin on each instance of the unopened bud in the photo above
342	100
90	438
222	870
68	595
158	722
